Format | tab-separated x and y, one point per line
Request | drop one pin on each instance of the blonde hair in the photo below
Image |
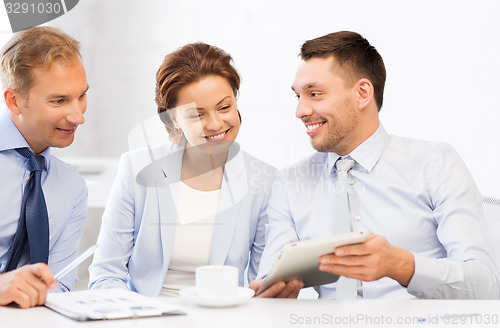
36	47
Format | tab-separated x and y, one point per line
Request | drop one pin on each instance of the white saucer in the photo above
190	294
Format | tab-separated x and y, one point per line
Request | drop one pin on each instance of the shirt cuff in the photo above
425	280
108	283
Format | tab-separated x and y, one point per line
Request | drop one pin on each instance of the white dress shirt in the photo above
417	194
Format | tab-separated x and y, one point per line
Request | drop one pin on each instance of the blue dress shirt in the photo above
65	194
417	194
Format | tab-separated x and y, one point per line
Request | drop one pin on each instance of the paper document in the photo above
107	304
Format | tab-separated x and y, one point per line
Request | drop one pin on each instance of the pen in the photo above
75	262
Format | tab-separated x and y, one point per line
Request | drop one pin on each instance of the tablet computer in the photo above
300	260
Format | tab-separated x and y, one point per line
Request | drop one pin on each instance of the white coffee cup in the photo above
216	281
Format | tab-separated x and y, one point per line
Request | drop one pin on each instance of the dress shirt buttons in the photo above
357	218
351	181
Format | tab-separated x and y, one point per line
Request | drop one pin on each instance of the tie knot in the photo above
35	162
344	164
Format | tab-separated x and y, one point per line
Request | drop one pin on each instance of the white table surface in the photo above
288	313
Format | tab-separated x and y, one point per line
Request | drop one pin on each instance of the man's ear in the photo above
13	101
364	90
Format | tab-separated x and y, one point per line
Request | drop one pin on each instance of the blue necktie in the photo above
33	226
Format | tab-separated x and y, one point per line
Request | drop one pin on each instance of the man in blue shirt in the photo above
428	237
44	88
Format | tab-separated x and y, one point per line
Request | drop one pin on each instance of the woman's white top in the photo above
193	237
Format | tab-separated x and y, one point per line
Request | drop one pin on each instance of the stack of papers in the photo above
106	304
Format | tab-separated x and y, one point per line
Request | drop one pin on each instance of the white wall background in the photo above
442	59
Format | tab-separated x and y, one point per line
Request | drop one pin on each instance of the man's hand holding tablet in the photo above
298	265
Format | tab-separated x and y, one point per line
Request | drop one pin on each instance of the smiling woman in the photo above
196	98
204	202
212	120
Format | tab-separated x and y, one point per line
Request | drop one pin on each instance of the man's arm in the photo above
26	286
65	249
371	260
280	230
467	271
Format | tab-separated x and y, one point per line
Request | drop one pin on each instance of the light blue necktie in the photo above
347	288
33	226
341	204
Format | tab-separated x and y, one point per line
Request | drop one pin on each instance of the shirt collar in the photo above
10	137
368	153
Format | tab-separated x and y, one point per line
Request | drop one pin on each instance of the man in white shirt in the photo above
428	237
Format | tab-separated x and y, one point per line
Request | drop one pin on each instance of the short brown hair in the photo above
354	55
184	66
34	48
